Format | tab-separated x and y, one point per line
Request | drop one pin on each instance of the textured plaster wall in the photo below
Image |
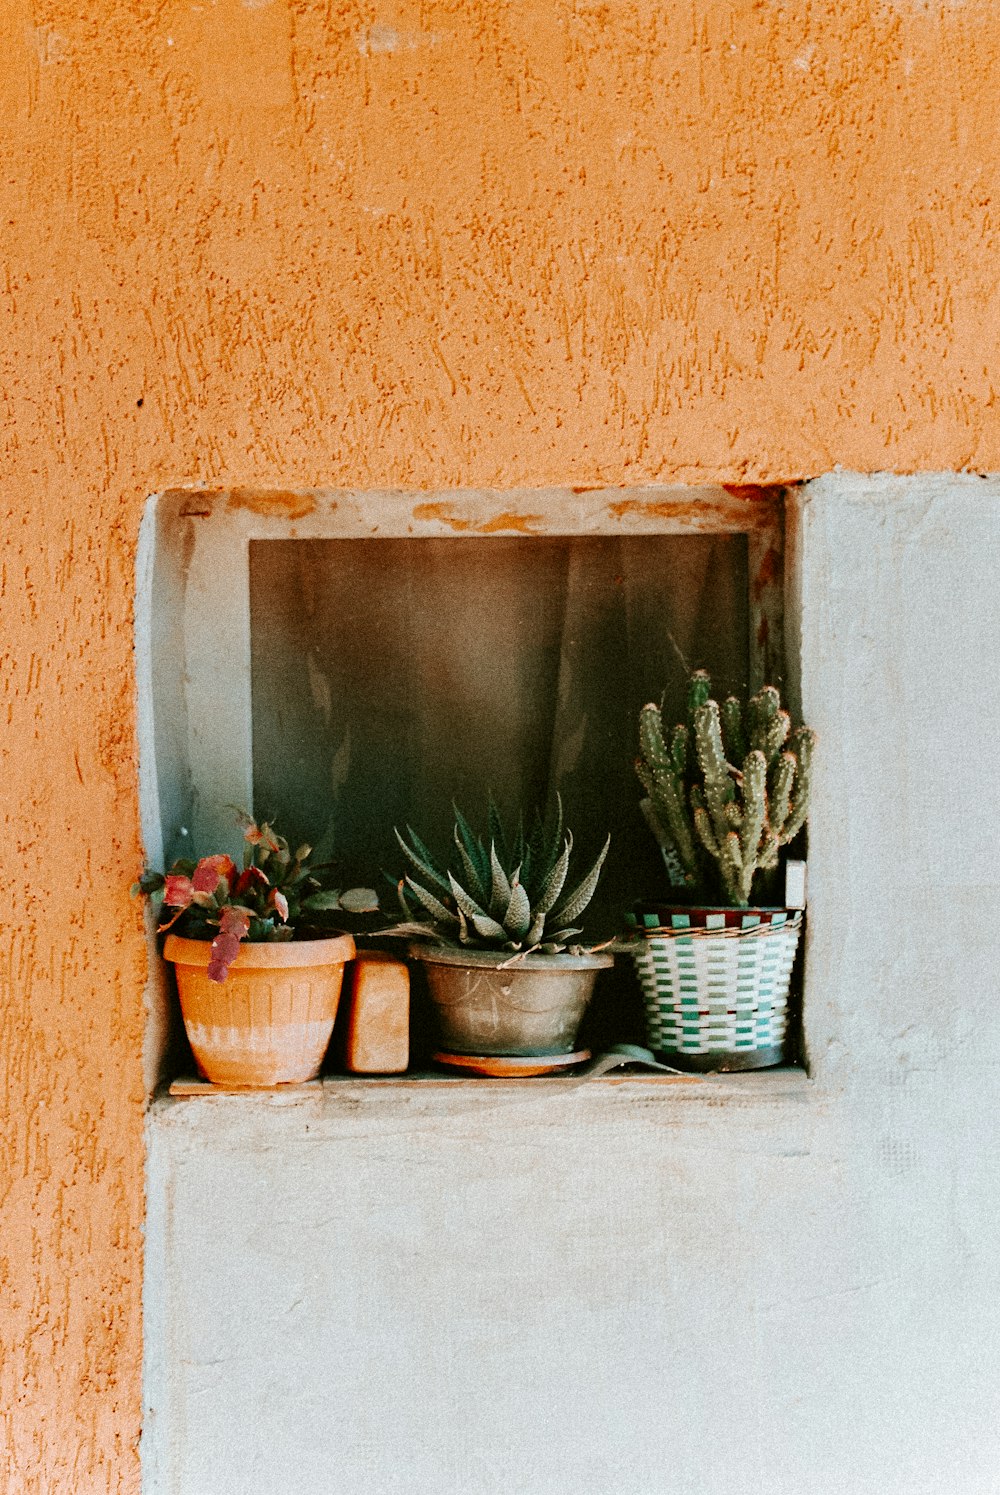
759	1285
271	244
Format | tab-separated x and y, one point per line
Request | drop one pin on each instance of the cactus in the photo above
745	795
510	897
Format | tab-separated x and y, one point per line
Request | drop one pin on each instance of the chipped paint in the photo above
273	503
503	523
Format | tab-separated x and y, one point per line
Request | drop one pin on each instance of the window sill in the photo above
786	1082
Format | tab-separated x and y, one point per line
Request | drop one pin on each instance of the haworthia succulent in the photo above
510	898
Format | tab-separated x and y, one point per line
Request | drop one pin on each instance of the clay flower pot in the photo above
491	1003
270	1021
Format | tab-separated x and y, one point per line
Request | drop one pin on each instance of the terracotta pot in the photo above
487	1005
270	1021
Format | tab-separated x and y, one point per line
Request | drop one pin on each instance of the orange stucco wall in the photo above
285	242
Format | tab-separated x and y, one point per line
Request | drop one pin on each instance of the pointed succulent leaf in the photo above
575	903
488	929
553	884
466	904
421	859
498	835
433	905
536	929
517	920
470	867
560	936
500	887
474	848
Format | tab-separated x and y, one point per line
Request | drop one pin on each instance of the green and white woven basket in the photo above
715	986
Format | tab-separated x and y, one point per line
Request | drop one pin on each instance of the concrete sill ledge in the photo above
787	1082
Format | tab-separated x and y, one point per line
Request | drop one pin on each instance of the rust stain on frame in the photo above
273	504
503	523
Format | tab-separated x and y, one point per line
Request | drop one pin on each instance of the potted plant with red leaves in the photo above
258	974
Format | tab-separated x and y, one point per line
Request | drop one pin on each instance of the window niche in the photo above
345	663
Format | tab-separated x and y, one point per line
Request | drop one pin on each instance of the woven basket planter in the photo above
715	984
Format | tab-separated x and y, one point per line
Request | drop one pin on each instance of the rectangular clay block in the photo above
377	1038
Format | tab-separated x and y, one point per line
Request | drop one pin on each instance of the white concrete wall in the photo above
750	1286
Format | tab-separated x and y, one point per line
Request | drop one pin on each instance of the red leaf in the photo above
177	890
225	948
210	871
250	878
233	926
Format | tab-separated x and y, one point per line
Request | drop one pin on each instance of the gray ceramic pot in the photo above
486	1005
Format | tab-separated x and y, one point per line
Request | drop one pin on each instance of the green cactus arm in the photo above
679	746
762	708
651	742
703	823
719	788
699	691
755	807
731	869
734	816
782	779
733	733
803	742
775	735
767	858
668	801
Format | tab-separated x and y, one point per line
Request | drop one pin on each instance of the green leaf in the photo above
574	905
498	836
553	884
489	929
433	905
359	900
478	880
500	889
421	859
318	903
467	906
517	919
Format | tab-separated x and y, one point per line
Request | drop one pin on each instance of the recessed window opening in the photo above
347	663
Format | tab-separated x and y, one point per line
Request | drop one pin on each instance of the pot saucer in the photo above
511	1066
